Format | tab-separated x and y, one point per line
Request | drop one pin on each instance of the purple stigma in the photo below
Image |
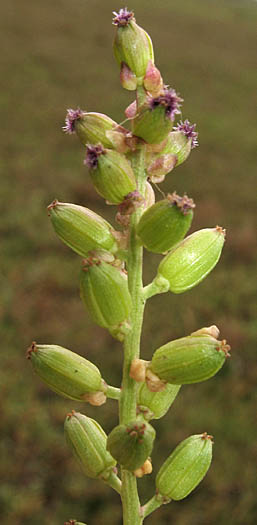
170	100
188	130
71	117
92	154
123	17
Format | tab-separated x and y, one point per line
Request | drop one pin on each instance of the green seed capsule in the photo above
190	359
155	119
87	441
91	128
131	444
104	292
132	45
165	223
81	229
185	467
111	173
154	405
65	372
152	125
178	144
192	259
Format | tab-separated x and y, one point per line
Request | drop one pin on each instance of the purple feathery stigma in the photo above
188	130
92	154
71	117
170	100
123	17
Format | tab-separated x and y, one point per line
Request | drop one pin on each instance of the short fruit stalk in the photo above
122	165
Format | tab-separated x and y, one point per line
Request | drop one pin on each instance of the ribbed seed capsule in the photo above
155	119
192	259
185	467
90	127
65	372
131	444
111	173
87	441
178	144
154	405
104	292
132	45
165	223
190	359
81	229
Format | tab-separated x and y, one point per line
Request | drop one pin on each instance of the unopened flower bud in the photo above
81	229
185	467
160	165
87	441
111	173
131	444
155	119
95	399
154	405
104	292
189	359
90	127
138	370
153	82
66	372
208	330
153	382
166	223
192	259
149	195
145	469
132	45
128	79
131	110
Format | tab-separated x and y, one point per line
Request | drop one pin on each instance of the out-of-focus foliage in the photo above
57	55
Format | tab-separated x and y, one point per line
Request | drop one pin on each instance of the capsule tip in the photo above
32	349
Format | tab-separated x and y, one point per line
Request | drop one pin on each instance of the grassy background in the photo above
57	55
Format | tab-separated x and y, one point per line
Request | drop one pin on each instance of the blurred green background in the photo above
56	55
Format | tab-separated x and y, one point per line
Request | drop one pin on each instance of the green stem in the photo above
129	494
114	482
112	392
159	285
150	506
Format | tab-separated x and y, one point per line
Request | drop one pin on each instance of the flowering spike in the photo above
189	131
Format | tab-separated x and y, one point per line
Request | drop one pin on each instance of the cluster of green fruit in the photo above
161	228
